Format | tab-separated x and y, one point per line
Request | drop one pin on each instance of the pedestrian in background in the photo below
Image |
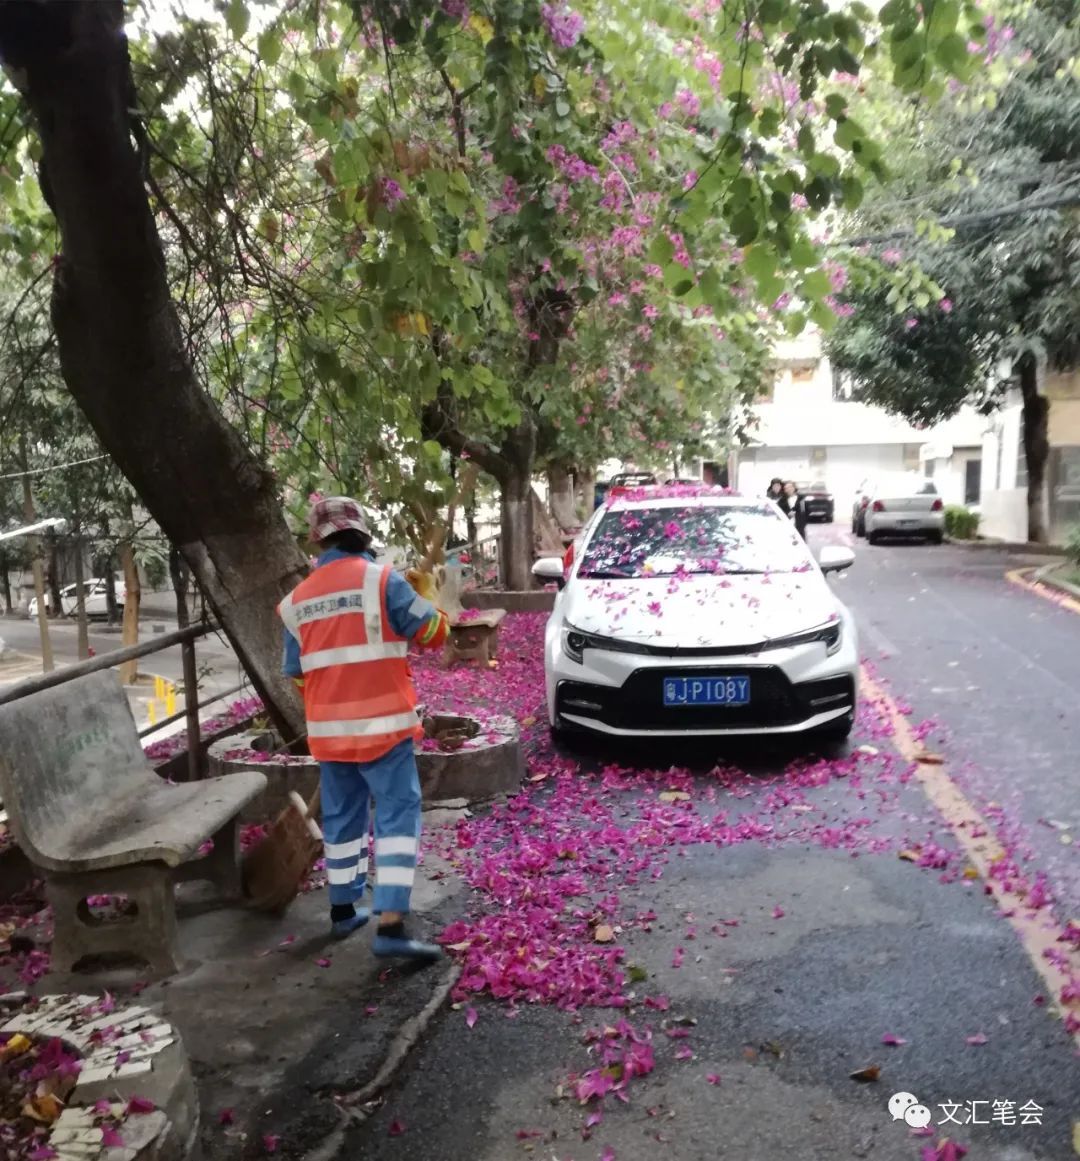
776	489
347	633
794	504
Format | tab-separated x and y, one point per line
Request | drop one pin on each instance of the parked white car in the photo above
904	504
694	613
97	604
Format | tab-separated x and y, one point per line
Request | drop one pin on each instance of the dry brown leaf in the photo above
605	933
866	1075
929	759
970	873
529	721
909	856
16	1046
674	796
45	1109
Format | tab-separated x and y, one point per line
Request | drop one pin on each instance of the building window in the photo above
840	390
911	457
972	481
803	372
929	469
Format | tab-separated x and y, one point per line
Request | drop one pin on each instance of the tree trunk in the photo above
118	334
178	573
52	576
107	567
584	493
561	496
1036	448
83	633
129	633
38	569
5	580
515	543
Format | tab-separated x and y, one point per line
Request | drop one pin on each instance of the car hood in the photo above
701	612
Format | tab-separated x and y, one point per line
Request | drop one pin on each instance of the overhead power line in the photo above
1065	201
53	468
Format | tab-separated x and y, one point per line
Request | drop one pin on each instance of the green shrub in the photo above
961	523
1072	545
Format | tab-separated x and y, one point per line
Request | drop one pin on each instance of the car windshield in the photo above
673	540
905	484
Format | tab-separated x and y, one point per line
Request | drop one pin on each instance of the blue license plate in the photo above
706	691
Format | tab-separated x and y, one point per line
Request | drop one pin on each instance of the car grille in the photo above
639	703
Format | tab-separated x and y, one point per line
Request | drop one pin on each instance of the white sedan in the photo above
96	599
695	613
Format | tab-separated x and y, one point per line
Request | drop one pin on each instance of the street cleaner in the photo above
347	631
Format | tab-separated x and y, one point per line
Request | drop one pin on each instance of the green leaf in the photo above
816	285
432	449
683	287
662	250
270	46
562	107
237	17
759	261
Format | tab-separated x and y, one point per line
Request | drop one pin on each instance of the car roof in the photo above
680	495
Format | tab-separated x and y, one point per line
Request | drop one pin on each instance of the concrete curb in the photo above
1013	546
1044	576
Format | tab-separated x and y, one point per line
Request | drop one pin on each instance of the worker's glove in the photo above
424	584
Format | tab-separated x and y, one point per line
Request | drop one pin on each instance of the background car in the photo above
695	617
96	599
905	504
820	505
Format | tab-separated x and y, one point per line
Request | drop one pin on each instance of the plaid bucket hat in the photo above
332	514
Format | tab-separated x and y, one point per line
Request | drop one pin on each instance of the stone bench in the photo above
474	636
87	810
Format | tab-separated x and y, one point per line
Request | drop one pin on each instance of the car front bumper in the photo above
792	691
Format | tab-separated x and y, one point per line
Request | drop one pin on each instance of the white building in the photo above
808	429
1004	500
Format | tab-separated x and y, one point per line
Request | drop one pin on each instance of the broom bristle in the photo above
275	870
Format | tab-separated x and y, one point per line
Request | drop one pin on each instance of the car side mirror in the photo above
549	569
835	558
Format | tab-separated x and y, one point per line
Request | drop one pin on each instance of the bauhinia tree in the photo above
121	349
992	172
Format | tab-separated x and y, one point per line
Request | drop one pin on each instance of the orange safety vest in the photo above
359	697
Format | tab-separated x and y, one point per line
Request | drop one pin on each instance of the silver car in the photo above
904	504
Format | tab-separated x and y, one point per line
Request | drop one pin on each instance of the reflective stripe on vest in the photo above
358	693
362	727
352	654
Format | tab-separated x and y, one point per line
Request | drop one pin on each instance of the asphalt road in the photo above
216	664
791	946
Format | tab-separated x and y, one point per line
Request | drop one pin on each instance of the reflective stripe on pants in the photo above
346	789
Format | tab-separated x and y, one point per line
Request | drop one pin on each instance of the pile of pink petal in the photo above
240	711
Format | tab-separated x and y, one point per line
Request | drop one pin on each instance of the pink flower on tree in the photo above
564	25
946	305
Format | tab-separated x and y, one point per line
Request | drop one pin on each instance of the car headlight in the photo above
574	642
832	637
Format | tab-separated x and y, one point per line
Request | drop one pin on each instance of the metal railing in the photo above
186	639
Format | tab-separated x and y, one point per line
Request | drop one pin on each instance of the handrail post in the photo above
191	710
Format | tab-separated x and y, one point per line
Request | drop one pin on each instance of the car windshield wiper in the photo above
604	574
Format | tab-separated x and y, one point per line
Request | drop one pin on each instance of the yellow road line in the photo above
1019	577
1036	931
